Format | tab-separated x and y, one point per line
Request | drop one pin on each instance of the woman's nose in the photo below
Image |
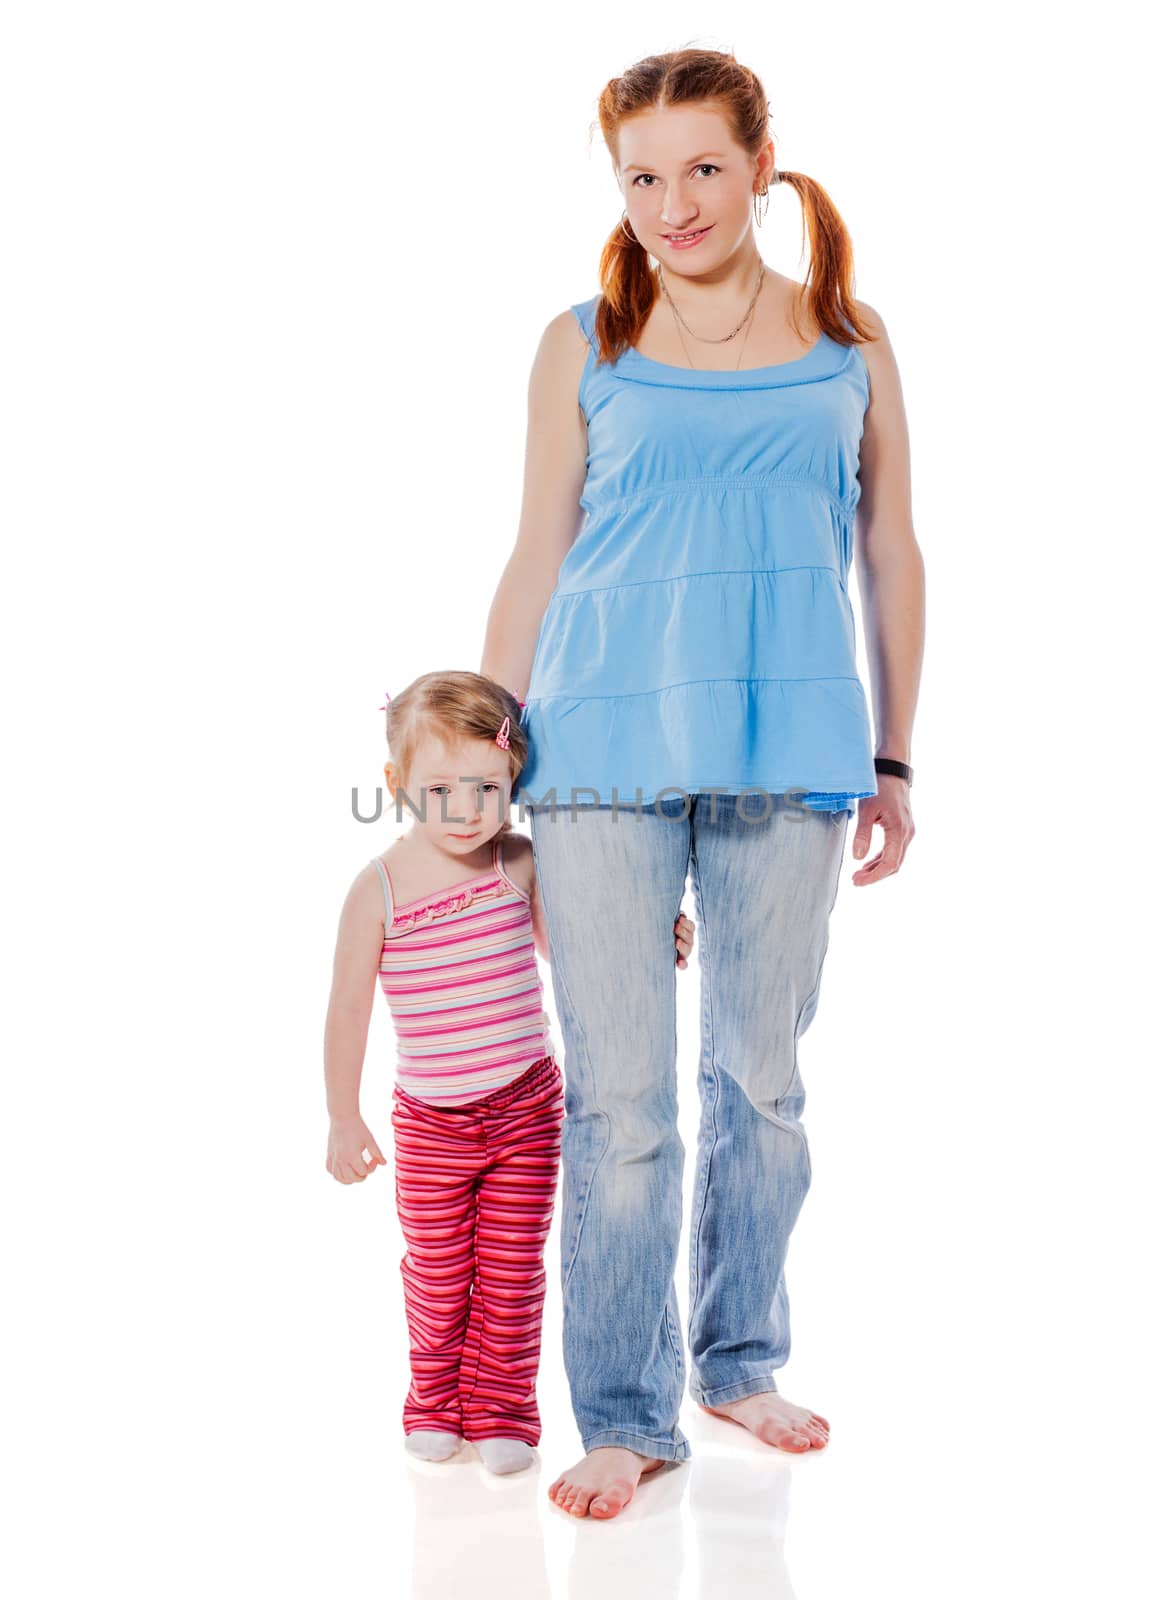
677	213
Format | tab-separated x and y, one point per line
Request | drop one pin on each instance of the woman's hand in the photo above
683	938
349	1140
890	809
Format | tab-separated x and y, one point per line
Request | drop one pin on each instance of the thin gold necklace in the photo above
747	318
741	348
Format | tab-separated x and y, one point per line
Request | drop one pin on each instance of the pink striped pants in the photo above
475	1193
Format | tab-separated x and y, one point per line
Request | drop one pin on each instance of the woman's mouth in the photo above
685	241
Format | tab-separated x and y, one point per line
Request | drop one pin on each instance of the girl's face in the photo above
464	790
682	173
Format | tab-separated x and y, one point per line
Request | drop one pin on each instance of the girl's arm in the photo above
355	964
540	931
555	471
891	579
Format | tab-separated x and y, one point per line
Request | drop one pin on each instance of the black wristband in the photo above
898	768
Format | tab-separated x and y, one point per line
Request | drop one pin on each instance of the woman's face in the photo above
681	172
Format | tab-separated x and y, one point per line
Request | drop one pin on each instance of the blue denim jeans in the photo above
611	889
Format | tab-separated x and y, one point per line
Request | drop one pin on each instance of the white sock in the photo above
505	1455
429	1445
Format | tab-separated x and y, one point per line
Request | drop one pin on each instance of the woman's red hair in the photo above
692	77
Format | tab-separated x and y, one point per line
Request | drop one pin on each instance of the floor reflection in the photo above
708	1529
476	1534
639	1552
738	1504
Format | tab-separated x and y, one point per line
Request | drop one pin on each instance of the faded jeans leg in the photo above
611	889
764	892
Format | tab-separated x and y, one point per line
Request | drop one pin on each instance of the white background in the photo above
272	281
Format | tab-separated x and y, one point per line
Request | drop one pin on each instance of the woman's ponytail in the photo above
629	290
831	272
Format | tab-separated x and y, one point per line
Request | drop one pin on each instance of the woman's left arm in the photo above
892	583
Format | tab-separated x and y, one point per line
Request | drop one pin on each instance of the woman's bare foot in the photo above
602	1483
775	1421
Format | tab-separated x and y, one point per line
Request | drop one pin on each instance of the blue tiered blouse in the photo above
700	635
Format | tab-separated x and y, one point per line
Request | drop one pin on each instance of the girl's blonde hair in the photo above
454	706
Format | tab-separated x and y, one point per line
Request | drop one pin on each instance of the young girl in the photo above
448	920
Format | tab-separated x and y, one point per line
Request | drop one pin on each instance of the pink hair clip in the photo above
388	696
503	735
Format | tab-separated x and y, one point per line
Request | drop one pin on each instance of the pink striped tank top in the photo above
459	971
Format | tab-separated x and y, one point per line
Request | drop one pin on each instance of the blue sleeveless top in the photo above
700	634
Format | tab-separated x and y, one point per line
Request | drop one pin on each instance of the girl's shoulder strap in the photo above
500	867
387	887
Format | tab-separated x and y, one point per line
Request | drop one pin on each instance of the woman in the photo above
724	431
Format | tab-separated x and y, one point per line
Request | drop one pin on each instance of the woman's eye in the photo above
701	165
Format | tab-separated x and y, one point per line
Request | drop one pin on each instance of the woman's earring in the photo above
625	226
760	210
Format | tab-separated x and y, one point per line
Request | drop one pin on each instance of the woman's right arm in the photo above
555	471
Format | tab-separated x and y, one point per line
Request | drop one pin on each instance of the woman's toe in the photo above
610	1502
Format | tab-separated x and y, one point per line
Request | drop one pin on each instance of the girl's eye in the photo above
698	168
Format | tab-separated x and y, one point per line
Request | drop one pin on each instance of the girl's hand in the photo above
349	1140
683	938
